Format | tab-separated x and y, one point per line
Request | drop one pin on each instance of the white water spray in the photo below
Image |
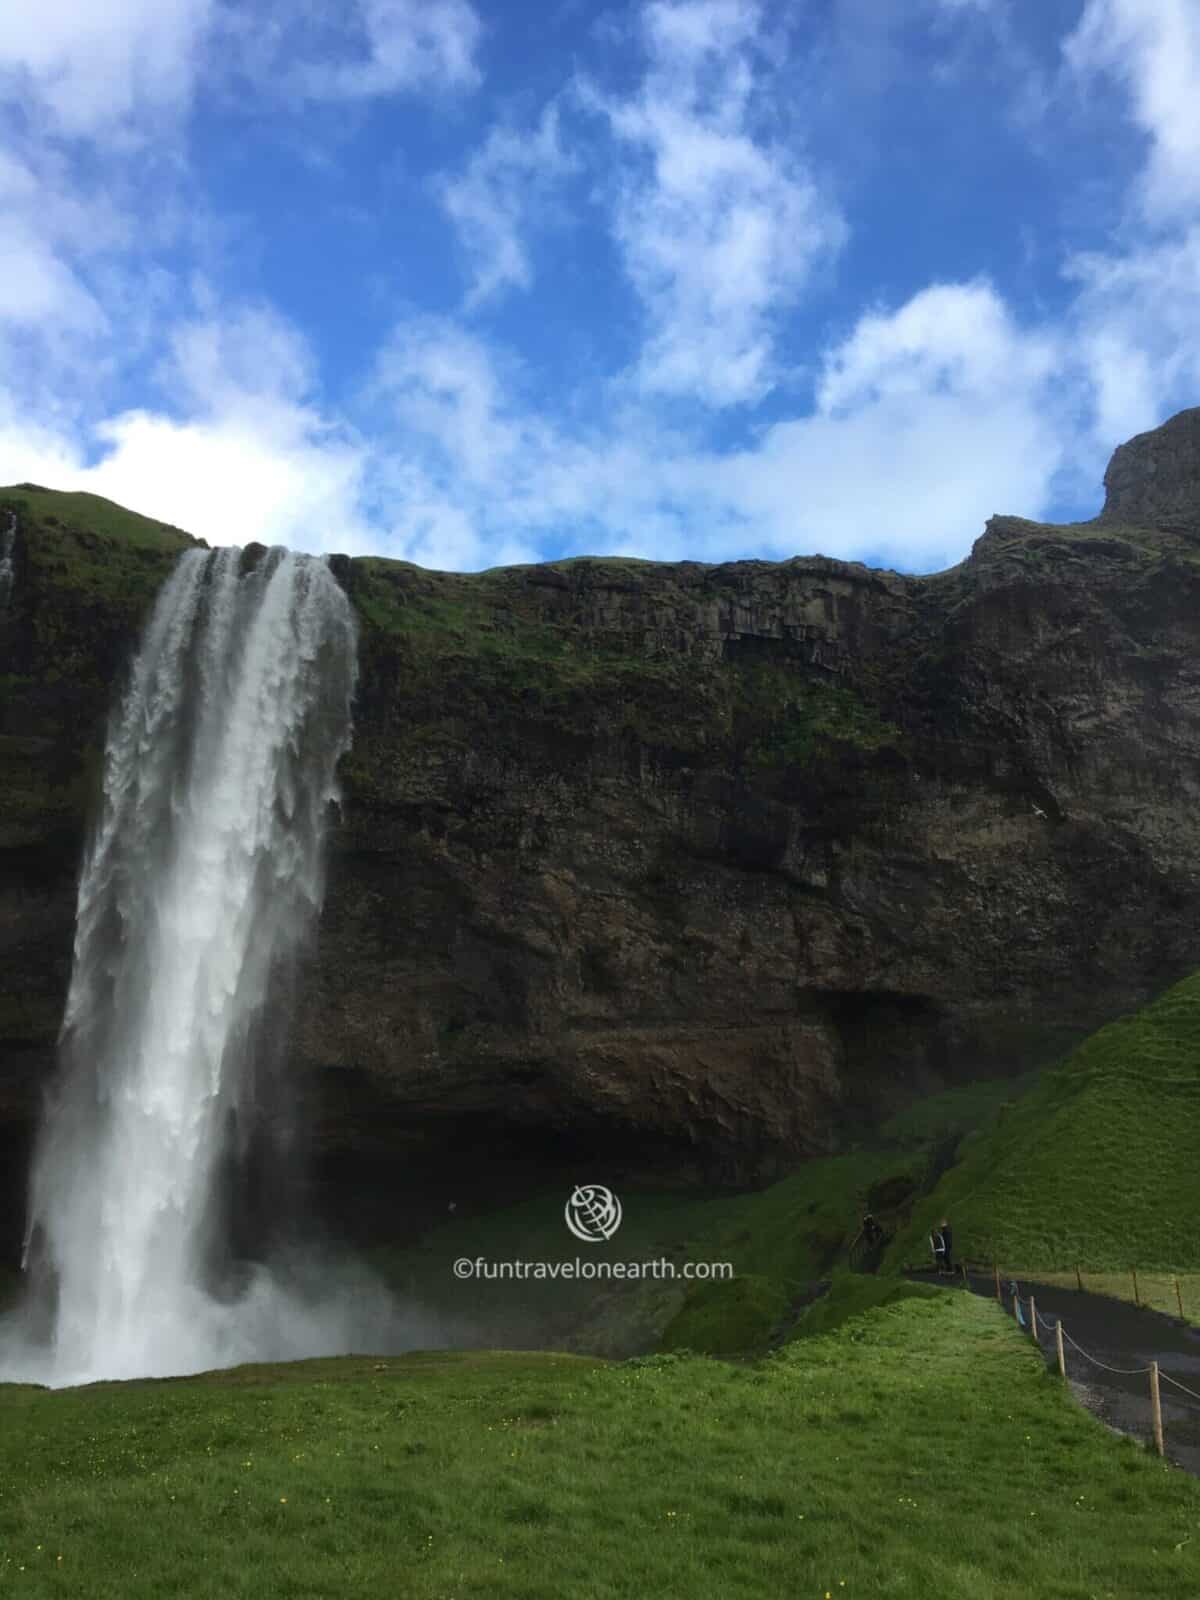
199	891
8	540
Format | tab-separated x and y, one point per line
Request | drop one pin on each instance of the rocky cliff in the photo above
679	871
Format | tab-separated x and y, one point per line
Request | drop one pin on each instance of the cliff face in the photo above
676	869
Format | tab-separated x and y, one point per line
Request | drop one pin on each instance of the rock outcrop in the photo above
1155	477
677	871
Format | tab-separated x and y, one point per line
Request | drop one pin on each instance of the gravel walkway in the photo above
1120	1336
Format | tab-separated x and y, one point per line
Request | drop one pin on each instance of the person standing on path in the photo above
947	1245
938	1245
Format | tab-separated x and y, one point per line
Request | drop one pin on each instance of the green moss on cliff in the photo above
47	787
553	649
793	719
456	648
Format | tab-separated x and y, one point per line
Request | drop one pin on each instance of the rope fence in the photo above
1167	1378
1152	1291
1026	1315
1123	1372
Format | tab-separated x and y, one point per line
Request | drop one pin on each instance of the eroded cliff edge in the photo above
680	870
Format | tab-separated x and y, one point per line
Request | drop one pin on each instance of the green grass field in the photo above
1096	1165
917	1449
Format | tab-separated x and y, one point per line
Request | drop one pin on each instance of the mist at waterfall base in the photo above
164	1227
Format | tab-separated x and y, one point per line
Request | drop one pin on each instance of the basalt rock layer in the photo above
679	871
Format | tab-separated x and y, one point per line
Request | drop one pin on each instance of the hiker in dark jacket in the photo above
948	1246
871	1231
938	1245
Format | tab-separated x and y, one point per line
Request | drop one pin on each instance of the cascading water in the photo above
8	540
200	888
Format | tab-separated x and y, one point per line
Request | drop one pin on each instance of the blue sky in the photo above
477	283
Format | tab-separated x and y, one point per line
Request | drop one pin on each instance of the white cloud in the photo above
444	389
119	70
376	47
38	289
248	456
719	229
910	482
1136	325
928	414
929	417
247	359
503	193
81	292
1135	320
474	467
231	483
90	67
954	339
1153	47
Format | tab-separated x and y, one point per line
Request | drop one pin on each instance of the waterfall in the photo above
199	892
8	541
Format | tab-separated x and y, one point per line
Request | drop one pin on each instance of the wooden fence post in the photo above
1033	1318
996	1270
1179	1300
1062	1360
1137	1299
1156	1408
1078	1280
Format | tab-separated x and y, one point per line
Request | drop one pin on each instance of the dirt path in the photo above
1122	1336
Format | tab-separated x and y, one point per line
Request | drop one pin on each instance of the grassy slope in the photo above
841	1466
93	547
1097	1164
969	1107
852	1295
